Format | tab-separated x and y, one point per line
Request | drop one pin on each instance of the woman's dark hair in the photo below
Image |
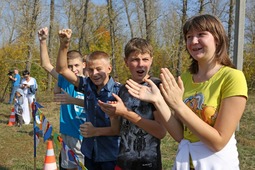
213	25
25	72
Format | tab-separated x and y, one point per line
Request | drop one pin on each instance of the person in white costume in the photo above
29	86
206	102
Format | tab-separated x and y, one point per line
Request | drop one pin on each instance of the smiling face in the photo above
201	45
75	62
99	71
76	66
205	37
139	65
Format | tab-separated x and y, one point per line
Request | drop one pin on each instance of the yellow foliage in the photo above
102	40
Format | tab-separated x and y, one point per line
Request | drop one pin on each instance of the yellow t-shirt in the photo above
205	98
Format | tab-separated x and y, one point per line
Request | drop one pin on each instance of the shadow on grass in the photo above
26	129
4	119
4	168
26	132
4	115
4	122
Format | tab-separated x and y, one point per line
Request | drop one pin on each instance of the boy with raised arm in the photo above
71	115
100	142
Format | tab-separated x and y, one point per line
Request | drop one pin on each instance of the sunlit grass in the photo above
16	144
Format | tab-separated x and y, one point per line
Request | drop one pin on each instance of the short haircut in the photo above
98	55
73	54
138	45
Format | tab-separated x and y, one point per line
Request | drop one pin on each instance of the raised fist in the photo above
65	35
43	33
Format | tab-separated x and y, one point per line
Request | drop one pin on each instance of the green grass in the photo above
16	144
246	136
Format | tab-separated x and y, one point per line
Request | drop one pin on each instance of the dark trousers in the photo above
90	164
19	119
59	162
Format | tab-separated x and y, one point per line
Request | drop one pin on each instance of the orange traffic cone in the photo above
50	160
12	118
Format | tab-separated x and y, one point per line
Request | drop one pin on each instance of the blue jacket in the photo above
103	148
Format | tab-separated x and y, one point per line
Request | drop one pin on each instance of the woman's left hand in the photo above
171	89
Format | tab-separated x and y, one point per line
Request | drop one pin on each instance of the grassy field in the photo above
16	143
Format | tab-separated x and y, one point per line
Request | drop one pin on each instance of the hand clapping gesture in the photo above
171	89
113	108
146	93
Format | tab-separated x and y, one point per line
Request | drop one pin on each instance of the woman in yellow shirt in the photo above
207	102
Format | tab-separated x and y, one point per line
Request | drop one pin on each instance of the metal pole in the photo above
239	36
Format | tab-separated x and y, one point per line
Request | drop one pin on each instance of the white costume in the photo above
204	159
28	98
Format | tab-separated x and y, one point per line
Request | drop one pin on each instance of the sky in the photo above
99	2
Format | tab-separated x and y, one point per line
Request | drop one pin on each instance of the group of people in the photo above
119	127
22	95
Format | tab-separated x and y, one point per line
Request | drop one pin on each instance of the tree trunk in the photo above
52	12
201	8
128	18
84	20
230	24
140	21
32	33
112	34
148	21
180	44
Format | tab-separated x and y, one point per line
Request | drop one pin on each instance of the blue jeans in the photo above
90	164
14	89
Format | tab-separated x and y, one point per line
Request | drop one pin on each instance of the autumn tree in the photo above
230	24
148	6
112	34
140	18
29	10
52	12
181	38
129	15
201	6
82	30
108	25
